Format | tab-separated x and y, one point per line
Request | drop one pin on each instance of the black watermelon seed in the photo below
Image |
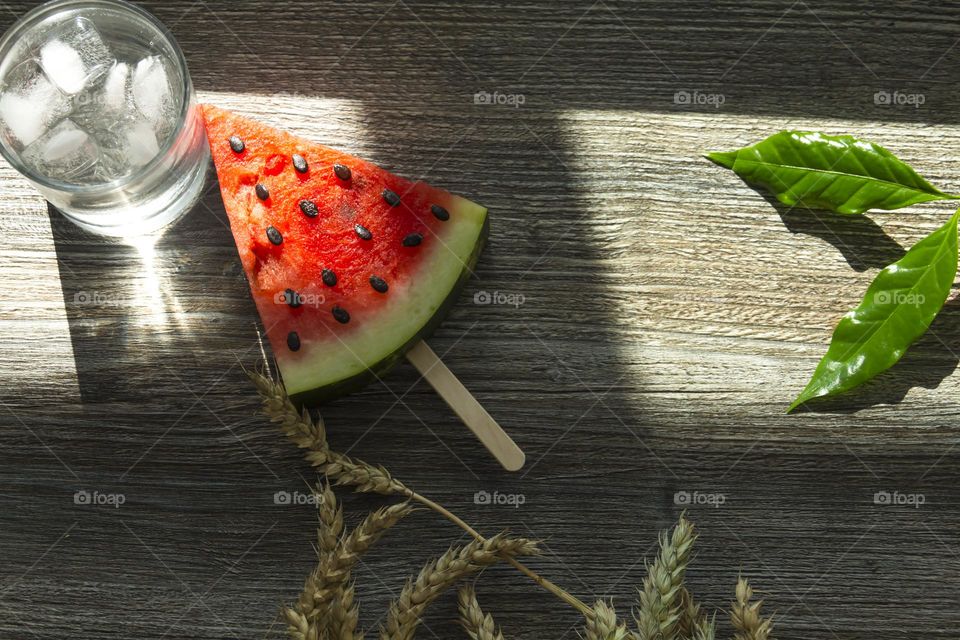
343	172
412	239
236	144
299	163
362	231
274	236
329	277
262	192
293	341
292	298
439	212
309	208
340	314
379	284
391	197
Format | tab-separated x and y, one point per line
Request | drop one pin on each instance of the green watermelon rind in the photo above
379	369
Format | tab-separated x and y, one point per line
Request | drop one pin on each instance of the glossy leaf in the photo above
838	173
897	309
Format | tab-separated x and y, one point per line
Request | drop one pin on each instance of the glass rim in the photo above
37	14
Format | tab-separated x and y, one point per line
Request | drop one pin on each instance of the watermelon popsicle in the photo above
350	266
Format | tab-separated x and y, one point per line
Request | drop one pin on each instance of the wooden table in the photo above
669	314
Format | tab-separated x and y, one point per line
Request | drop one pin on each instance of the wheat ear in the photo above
297	425
329	530
299	627
333	596
437	575
477	624
311	435
326	582
705	628
343	615
336	566
325	606
745	615
660	598
690	614
330	515
604	625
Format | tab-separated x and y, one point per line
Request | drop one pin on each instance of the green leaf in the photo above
838	173
897	309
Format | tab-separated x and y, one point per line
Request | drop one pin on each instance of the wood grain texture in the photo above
669	314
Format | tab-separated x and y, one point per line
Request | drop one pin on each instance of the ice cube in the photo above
75	55
141	144
63	65
105	104
115	89
151	88
66	152
124	148
29	103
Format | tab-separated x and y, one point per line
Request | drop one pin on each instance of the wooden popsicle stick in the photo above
490	434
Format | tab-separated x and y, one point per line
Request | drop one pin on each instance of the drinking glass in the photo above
98	112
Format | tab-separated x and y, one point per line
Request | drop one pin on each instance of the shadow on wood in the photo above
138	316
788	60
861	241
925	364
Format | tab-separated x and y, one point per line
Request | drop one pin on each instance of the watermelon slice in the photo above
349	265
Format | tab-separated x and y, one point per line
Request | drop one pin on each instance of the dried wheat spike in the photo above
660	598
454	565
309	434
343	616
604	624
479	626
745	615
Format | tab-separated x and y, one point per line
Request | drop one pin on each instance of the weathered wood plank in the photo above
669	314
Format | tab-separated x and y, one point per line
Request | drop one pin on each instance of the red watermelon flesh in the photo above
390	290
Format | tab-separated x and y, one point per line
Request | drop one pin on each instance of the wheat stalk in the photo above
437	575
326	608
362	476
660	610
477	624
745	615
604	625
